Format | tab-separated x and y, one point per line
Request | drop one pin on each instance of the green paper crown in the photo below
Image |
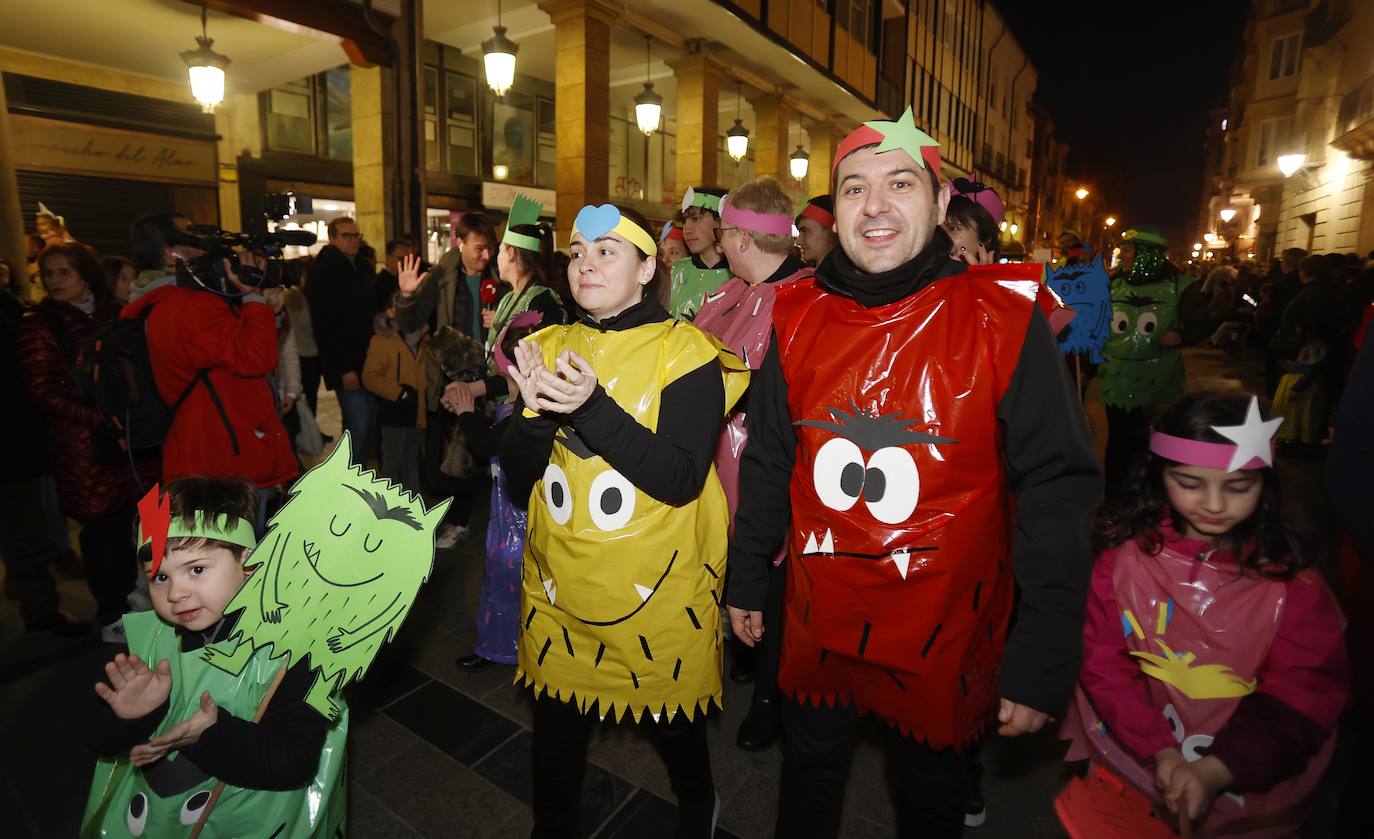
523	210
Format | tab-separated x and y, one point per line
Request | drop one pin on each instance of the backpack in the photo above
116	373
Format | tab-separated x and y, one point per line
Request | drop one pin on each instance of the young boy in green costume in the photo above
699	275
172	728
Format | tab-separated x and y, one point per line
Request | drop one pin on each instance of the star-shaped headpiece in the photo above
899	135
1254	439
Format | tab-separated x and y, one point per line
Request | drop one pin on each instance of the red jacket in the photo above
191	330
50	338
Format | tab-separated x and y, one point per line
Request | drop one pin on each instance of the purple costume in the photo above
498	611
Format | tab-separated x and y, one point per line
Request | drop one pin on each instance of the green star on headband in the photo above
523	210
904	135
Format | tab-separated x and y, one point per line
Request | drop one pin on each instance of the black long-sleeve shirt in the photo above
1050	468
670	464
280	752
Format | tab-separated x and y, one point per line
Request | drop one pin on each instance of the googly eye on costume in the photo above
611	501
557	495
137	815
192	807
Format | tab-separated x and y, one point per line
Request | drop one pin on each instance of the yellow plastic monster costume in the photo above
621	592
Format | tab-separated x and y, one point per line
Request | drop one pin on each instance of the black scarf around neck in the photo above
840	275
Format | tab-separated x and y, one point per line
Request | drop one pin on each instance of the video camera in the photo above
208	269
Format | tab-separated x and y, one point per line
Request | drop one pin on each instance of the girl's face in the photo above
1212	501
607	275
507	262
670	251
966	246
62	282
124	285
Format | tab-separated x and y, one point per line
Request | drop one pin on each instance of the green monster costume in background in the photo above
325	587
1137	372
691	283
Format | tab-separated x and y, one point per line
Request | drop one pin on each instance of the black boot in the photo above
760	726
472	662
742	664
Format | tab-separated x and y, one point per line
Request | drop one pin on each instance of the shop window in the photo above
512	137
289	111
338	114
460	123
311	116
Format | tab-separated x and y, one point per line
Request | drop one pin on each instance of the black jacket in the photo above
20	420
342	303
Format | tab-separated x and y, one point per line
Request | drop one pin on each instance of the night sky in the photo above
1129	85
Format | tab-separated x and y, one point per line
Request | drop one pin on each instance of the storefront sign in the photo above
496	195
54	146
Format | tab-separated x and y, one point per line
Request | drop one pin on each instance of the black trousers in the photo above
769	651
438	428
26	548
107	551
310	381
930	787
1128	438
561	734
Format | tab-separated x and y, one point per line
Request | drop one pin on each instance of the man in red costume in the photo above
914	417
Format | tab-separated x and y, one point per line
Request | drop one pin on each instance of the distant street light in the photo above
1227	214
1197	246
1015	228
1207	237
1290	163
1081	193
1111	221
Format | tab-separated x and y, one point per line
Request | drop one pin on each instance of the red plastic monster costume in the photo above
900	592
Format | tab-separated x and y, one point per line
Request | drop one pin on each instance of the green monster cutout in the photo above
1137	371
334	576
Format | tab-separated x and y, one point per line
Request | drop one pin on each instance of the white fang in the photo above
810	547
828	543
550	589
643	591
902	559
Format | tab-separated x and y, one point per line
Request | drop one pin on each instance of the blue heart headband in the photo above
594	222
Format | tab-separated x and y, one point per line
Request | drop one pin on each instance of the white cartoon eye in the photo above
611	500
1120	323
137	816
839	473
1175	724
191	807
891	485
557	497
1195	747
1147	324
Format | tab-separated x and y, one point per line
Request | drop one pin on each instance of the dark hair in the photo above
210	497
1264	544
1318	268
541	267
929	170
332	229
80	258
112	266
149	236
475	223
823	201
393	244
1293	255
718	192
658	286
968	213
516	334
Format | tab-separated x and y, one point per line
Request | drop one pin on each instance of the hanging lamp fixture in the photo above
737	138
799	162
206	69
648	103
498	57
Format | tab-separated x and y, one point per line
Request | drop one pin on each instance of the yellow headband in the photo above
594	222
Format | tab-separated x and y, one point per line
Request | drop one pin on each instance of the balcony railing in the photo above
1357	107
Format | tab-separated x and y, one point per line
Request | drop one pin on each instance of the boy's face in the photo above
192	587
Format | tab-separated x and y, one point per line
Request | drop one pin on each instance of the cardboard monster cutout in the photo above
1086	289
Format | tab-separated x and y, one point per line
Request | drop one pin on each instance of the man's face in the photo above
699	230
192	587
885	213
1127	257
477	251
814	241
346	238
393	259
185	253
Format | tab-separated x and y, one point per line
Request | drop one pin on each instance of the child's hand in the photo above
134	690
1192	786
1166	761
179	736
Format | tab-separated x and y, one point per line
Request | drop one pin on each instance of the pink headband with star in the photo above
1252	445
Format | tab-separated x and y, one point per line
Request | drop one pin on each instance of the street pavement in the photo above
438	752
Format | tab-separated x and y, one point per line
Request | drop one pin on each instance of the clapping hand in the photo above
568	389
409	278
529	362
179	736
135	690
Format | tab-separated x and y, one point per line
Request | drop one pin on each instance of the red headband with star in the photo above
890	136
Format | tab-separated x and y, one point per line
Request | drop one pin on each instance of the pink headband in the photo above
776	225
1201	453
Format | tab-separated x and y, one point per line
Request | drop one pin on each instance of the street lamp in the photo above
1081	193
799	162
1003	227
206	70
1110	221
1015	228
737	138
1227	214
498	56
1197	246
1290	163
648	103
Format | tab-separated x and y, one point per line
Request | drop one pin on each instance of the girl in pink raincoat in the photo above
1214	666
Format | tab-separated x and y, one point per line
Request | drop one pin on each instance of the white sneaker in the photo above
113	633
451	535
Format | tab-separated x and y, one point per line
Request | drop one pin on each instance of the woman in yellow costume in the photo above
613	449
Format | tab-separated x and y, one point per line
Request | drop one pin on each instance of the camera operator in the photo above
342	305
215	346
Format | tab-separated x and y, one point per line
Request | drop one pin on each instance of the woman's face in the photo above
507	263
966	246
124	285
670	251
607	275
62	282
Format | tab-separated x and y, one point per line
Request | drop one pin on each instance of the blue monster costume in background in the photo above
1086	289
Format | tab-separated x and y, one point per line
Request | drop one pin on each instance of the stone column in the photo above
825	139
371	111
11	216
772	121
582	81
698	119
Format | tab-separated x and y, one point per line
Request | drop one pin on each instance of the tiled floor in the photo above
437	752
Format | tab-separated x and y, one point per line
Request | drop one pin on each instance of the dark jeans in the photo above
1128	437
930	788
561	734
768	653
310	381
107	550
26	548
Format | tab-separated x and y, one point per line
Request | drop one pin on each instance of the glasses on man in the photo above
721	231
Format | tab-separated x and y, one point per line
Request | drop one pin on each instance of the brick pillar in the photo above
698	119
825	139
582	79
772	121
